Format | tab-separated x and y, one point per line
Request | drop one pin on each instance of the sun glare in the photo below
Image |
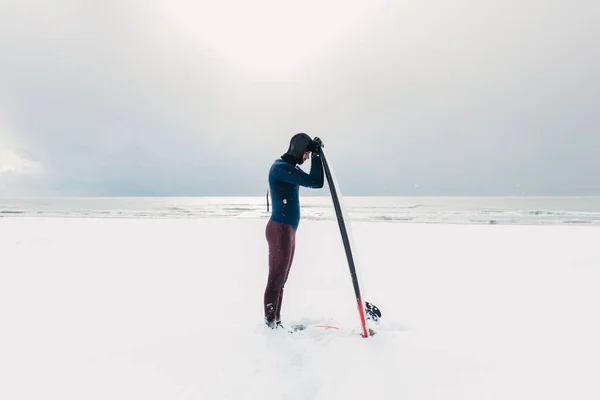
266	36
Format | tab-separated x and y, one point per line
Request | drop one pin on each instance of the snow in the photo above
172	309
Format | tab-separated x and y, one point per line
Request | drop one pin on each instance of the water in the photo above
452	210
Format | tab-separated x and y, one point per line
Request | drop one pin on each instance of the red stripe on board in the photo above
363	320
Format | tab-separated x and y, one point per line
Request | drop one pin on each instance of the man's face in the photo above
306	155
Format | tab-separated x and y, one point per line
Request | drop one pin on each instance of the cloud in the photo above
468	97
11	162
17	169
12	159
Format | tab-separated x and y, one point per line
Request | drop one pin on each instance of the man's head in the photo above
299	149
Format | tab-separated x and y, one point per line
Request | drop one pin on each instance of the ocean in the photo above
445	210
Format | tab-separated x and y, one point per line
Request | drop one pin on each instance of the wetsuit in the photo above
285	179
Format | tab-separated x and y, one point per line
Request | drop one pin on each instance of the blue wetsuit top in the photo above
285	180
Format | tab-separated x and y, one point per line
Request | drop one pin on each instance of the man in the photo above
285	178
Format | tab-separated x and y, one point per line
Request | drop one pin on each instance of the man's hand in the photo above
315	145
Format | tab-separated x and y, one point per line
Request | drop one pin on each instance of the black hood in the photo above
299	144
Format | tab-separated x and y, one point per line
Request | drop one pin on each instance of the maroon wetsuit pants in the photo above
282	242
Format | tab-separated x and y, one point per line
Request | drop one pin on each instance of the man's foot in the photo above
274	324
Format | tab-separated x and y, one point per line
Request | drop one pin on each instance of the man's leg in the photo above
289	267
280	252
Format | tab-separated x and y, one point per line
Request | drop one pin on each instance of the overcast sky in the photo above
182	97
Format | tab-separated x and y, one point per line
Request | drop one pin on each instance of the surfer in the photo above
285	179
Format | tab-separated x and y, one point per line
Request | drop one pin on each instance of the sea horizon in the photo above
519	210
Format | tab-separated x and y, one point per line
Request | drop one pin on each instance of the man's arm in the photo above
315	179
316	168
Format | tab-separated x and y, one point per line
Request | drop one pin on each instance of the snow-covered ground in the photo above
172	309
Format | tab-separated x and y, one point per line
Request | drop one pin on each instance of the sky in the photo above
198	98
